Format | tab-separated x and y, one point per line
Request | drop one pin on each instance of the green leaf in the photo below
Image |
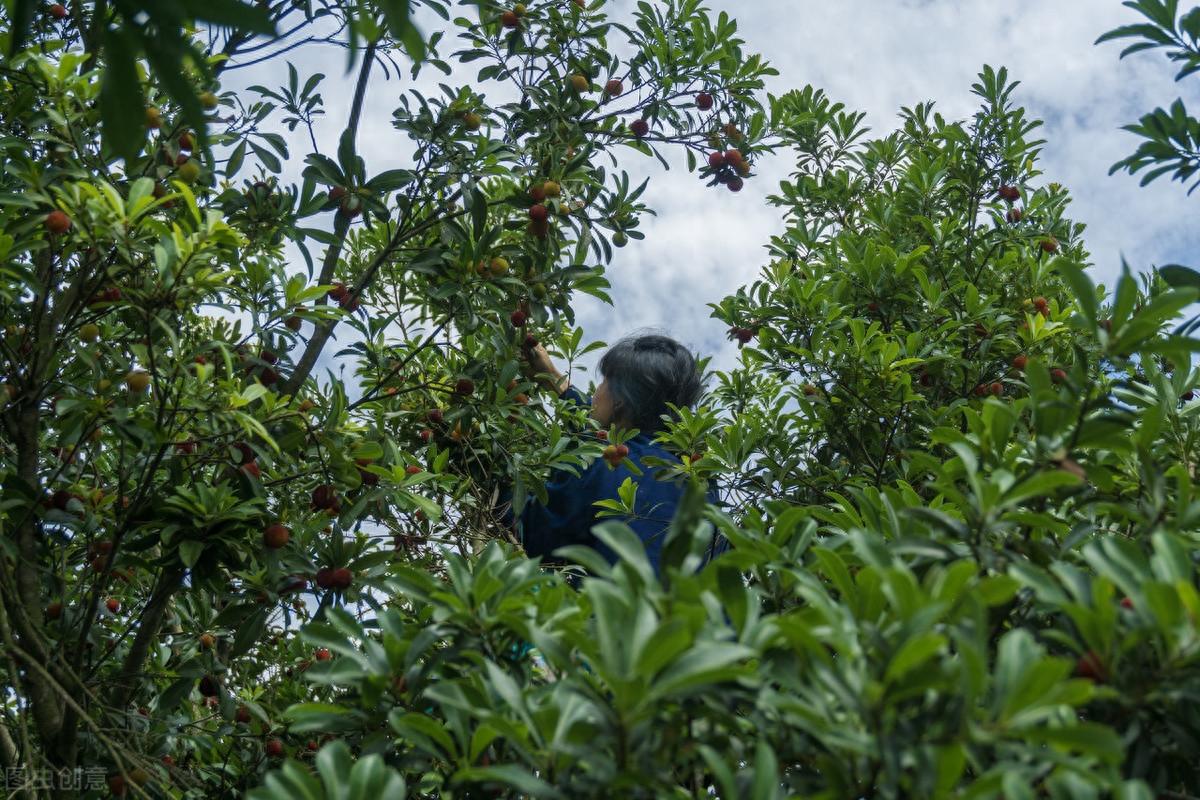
1179	276
513	776
310	717
190	551
1088	738
122	102
913	653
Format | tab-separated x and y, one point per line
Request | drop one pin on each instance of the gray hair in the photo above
645	372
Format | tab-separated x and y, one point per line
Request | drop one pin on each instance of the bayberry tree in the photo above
192	465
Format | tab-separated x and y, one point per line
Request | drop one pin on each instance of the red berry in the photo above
116	785
622	451
209	686
1126	603
1049	244
426	435
735	184
412	469
1019	363
510	20
602	435
273	748
538	213
54	611
614	87
997	388
57	222
744	335
716	160
324	578
1058	375
435	416
537	193
324	497
639	128
323	655
734	158
338	291
342	578
465	385
243	715
1187	396
1013	215
539	227
704	101
276	536
58	12
113	605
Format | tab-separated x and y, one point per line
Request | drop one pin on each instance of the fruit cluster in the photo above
339	579
345	299
743	335
614	454
729	168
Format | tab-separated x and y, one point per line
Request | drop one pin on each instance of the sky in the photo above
877	56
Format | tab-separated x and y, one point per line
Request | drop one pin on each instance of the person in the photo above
641	375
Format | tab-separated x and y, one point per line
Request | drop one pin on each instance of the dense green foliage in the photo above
957	476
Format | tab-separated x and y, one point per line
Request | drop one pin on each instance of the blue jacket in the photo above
570	512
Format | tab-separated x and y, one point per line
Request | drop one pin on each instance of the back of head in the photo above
645	372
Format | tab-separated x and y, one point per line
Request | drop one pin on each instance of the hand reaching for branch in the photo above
540	367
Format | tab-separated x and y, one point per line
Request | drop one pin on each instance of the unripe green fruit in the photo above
189	173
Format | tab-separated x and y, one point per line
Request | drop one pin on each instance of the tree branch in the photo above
169	581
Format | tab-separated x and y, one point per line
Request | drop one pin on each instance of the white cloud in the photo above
876	56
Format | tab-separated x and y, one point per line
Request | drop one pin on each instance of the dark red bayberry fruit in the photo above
342	578
324	497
